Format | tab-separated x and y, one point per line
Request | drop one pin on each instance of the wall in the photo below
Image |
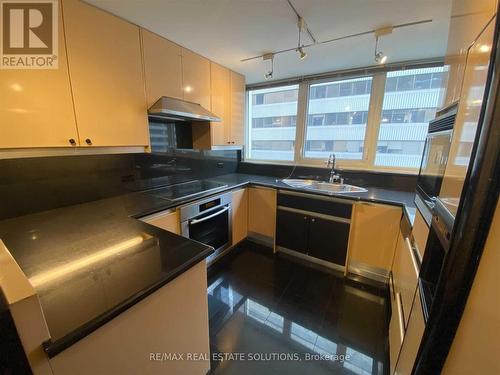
30	185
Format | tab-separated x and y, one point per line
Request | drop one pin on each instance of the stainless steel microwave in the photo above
434	159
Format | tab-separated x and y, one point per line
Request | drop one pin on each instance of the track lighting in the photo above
380	57
269	56
302	54
300	25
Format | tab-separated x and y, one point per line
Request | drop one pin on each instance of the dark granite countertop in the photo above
91	261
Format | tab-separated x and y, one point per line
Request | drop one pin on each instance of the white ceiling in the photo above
227	31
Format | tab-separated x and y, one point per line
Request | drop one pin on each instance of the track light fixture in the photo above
380	57
269	73
302	54
300	24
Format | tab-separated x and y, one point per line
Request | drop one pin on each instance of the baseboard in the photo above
370	272
261	239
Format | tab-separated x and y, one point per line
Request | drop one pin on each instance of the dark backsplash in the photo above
30	185
385	180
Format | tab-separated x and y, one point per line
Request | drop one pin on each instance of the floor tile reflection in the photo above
288	317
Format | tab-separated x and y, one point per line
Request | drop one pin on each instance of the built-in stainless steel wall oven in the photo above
434	159
209	221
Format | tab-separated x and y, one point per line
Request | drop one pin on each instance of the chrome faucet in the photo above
335	178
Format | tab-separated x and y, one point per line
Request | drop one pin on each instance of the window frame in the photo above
373	124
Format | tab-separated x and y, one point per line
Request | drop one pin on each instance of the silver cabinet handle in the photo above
400	316
196	221
412	255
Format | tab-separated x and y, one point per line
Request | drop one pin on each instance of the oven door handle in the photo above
196	221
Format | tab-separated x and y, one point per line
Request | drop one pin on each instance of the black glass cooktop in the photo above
186	189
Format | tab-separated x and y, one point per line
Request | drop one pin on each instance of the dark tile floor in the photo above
278	315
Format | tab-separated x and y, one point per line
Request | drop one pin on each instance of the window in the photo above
338	124
273	118
377	121
406	112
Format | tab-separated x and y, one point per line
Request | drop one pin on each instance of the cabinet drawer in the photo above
319	204
396	330
405	272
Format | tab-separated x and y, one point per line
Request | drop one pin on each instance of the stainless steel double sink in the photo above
321	186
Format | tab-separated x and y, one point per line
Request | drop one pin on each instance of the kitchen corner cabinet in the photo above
262	214
106	73
196	78
239	215
162	67
31	114
373	236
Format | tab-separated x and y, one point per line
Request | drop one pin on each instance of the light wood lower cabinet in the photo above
262	214
405	274
396	330
420	232
374	232
240	215
36	106
165	220
411	342
105	67
174	319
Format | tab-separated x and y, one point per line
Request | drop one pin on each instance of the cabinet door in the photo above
196	78
240	215
374	235
36	107
413	336
328	240
165	220
221	103
162	67
105	66
405	274
262	213
292	230
237	128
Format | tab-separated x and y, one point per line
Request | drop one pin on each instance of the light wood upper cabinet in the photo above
196	78
240	215
162	67
221	103
468	18
237	128
105	66
36	108
374	232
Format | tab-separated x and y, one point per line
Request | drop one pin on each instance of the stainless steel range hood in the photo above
180	110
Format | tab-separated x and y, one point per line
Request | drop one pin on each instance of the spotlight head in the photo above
380	58
302	54
268	75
